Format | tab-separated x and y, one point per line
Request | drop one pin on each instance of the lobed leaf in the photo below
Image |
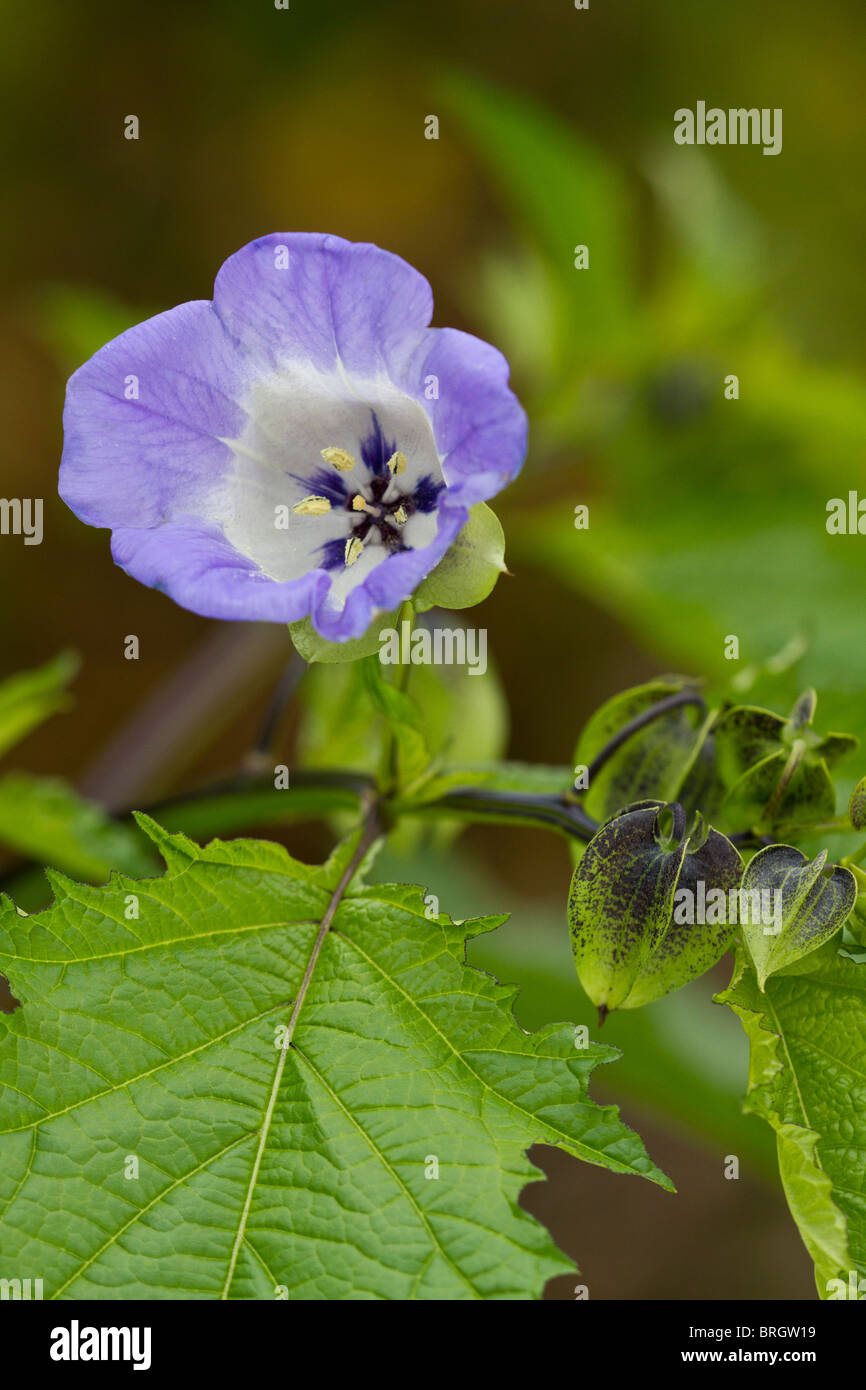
807	1037
284	1126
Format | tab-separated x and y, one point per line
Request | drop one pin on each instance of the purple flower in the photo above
304	444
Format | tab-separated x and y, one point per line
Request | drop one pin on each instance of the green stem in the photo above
215	809
390	767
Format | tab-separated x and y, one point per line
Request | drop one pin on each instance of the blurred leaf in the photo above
717	235
562	193
45	819
465	717
32	696
74	322
692	538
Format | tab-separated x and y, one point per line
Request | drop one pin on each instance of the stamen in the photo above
312	506
397	462
399	516
360	504
354	550
339	458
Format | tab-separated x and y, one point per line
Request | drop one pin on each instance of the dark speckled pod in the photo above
628	947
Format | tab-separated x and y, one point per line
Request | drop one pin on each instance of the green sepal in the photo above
313	647
810	795
814	899
29	697
470	567
773	770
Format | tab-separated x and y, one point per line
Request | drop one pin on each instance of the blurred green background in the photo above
706	515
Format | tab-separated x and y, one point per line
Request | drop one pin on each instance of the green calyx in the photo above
791	905
633	900
774	771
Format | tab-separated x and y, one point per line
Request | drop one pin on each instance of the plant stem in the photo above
391	751
335	789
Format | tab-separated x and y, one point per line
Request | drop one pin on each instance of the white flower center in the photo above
352	462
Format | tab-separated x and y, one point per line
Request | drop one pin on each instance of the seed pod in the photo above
631	941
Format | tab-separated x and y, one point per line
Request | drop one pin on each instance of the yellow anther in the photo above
397	462
399	516
339	458
354	548
359	504
312	506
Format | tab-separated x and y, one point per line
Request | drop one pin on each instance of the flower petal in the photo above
325	301
195	565
135	459
479	425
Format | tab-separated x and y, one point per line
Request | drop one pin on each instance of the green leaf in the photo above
27	699
682	1058
45	819
807	1035
631	942
286	1089
809	903
313	647
469	569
